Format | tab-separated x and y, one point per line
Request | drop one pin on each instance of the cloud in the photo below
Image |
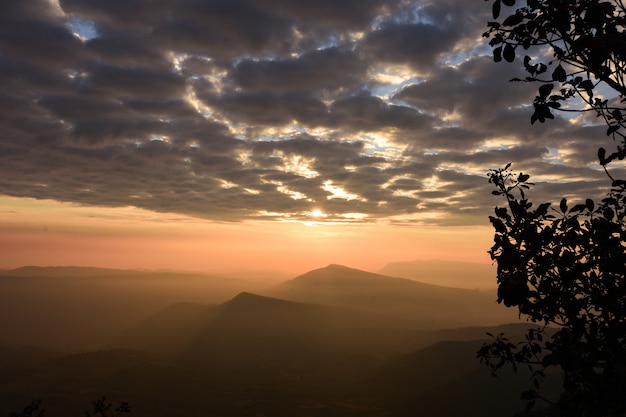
371	110
325	70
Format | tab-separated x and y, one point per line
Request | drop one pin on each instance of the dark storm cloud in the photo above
365	112
309	146
328	69
332	14
27	34
477	89
134	50
418	35
134	82
235	109
416	44
268	108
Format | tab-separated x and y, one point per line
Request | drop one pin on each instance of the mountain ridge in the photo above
402	298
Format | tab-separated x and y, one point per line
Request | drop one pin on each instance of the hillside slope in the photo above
426	306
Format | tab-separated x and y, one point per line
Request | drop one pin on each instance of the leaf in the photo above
563	205
617	114
559	74
542	112
587	85
523	177
513	20
612	129
509	2
497	224
495	9
509	53
590	204
545	90
542	209
501	212
602	156
497	54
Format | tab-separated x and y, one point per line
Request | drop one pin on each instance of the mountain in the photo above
67	272
84	308
168	331
468	275
266	332
445	379
242	275
249	321
258	355
426	306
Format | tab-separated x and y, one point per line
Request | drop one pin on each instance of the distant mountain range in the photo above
426	306
335	341
80	307
88	307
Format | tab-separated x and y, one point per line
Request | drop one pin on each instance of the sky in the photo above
273	134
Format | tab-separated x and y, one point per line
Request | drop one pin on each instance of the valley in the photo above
334	341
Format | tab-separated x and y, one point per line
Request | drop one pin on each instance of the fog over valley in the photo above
332	341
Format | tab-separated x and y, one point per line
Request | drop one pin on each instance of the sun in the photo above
317	213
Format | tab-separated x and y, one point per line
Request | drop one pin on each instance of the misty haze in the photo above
266	208
334	341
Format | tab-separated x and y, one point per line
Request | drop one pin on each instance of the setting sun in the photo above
317	213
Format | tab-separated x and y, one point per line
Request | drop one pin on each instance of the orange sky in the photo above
36	232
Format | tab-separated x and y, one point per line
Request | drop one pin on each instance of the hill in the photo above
264	332
426	306
68	272
445	379
84	308
168	331
336	342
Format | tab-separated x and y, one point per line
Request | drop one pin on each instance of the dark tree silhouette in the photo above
99	408
565	268
586	43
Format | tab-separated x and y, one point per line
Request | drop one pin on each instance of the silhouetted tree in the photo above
99	408
31	410
585	43
564	268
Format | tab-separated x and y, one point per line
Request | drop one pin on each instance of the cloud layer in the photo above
368	110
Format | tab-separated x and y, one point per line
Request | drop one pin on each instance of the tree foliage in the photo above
564	268
584	43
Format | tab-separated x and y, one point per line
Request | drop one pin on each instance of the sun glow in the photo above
317	213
